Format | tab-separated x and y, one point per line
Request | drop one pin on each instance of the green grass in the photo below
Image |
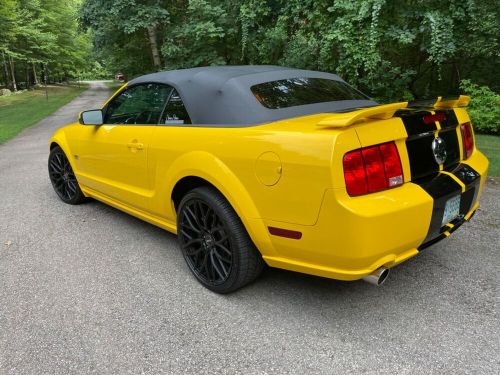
490	146
18	112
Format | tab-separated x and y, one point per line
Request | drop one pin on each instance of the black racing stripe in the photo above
421	136
467	200
440	188
450	120
443	187
422	162
413	121
471	179
456	224
419	142
452	148
466	174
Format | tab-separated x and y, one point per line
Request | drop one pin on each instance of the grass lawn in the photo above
490	146
17	112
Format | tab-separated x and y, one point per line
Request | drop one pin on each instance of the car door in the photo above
168	142
113	157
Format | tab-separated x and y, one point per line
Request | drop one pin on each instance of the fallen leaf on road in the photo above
8	243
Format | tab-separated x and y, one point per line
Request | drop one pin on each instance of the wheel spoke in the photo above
205	266
214	266
191	242
205	242
193	252
223	248
189	237
55	167
224	258
72	186
62	176
190	222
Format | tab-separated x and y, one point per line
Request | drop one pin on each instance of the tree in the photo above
390	49
41	32
143	20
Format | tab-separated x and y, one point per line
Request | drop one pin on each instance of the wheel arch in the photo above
203	169
59	139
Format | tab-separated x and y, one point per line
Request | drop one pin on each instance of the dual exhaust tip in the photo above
377	277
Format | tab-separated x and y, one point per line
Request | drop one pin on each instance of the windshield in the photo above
300	91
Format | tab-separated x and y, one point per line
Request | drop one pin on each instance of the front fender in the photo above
59	138
210	168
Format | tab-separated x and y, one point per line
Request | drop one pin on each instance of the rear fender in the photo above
204	165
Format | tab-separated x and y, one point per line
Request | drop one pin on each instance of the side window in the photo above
175	113
140	104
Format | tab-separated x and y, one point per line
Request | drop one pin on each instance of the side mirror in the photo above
93	117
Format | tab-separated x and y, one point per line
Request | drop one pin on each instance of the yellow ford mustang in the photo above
254	165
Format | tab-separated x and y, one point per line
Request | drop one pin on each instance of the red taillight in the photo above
392	163
467	139
430	119
372	169
354	173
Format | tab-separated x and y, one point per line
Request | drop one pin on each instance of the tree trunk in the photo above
13	73
27	71
35	77
154	47
7	79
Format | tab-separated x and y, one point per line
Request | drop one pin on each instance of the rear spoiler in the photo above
386	111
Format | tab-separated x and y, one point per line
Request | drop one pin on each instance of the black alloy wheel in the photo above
214	242
63	179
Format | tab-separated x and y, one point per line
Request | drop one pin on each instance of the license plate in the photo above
451	209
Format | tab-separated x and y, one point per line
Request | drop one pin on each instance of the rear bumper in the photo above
354	236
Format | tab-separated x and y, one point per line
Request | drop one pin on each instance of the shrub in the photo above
484	108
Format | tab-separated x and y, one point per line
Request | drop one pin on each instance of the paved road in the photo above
89	289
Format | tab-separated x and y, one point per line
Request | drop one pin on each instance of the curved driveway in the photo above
89	289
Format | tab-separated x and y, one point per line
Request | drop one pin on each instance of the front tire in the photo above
63	178
214	242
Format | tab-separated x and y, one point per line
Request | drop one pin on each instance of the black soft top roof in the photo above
221	95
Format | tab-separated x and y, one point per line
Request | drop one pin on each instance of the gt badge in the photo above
439	150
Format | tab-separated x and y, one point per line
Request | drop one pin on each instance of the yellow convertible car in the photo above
255	165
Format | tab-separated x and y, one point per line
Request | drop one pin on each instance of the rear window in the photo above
300	91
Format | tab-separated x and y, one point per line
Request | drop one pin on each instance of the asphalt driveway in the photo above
89	289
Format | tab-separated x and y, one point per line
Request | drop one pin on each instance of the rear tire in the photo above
63	178
214	242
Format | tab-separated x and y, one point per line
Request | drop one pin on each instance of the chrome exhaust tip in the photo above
377	277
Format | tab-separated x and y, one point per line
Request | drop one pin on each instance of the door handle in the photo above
135	145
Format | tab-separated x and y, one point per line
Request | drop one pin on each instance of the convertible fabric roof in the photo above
221	95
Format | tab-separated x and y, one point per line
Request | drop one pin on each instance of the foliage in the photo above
123	31
484	108
391	49
202	26
39	34
95	70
